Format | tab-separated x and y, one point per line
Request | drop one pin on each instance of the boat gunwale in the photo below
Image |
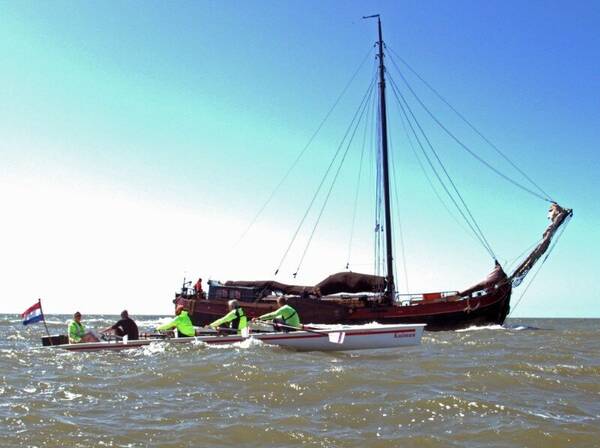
231	339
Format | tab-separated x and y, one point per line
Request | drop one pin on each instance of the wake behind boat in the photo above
317	338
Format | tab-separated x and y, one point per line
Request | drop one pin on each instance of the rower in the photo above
183	323
236	318
285	315
124	327
77	332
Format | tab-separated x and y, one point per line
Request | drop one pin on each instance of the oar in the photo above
335	337
153	336
245	332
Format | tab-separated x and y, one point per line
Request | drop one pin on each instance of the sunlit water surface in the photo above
532	383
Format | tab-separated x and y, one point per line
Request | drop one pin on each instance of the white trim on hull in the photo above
352	337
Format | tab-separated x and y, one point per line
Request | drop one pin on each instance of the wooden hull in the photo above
491	307
344	338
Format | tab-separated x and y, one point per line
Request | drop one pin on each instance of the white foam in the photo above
484	327
70	396
15	337
199	342
153	349
245	344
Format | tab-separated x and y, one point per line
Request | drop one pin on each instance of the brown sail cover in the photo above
349	282
272	286
497	276
557	216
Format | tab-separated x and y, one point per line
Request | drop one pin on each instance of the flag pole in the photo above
44	320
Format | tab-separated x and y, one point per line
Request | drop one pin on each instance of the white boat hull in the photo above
322	338
355	337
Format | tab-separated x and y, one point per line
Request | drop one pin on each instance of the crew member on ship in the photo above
124	327
183	323
236	318
284	315
77	332
198	288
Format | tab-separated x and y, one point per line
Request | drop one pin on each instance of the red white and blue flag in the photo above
33	314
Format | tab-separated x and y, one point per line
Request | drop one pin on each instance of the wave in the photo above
483	327
521	327
153	322
496	327
245	344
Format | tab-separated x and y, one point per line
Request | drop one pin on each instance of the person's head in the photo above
179	309
233	304
77	316
124	314
281	301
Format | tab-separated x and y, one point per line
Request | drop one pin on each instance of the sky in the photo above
138	140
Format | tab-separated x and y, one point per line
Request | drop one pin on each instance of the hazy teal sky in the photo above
138	139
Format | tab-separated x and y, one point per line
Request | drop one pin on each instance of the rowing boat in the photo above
313	338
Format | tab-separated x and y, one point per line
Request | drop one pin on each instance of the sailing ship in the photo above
354	298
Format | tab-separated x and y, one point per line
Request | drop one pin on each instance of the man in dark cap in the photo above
124	327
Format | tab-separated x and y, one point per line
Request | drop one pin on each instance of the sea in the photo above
529	383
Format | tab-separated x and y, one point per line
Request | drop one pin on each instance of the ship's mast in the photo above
390	289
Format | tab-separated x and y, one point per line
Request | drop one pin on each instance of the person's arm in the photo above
223	320
112	327
271	316
168	325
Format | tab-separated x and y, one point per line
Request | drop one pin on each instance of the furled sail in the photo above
269	286
496	277
349	282
557	216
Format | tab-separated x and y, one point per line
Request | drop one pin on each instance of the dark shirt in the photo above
126	327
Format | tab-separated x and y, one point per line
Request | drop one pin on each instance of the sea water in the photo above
530	383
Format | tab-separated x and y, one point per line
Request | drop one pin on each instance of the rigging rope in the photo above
360	168
566	222
351	139
400	231
519	258
369	89
304	149
465	147
471	223
472	126
428	178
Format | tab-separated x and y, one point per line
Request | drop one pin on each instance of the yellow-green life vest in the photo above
76	331
183	323
236	319
287	313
